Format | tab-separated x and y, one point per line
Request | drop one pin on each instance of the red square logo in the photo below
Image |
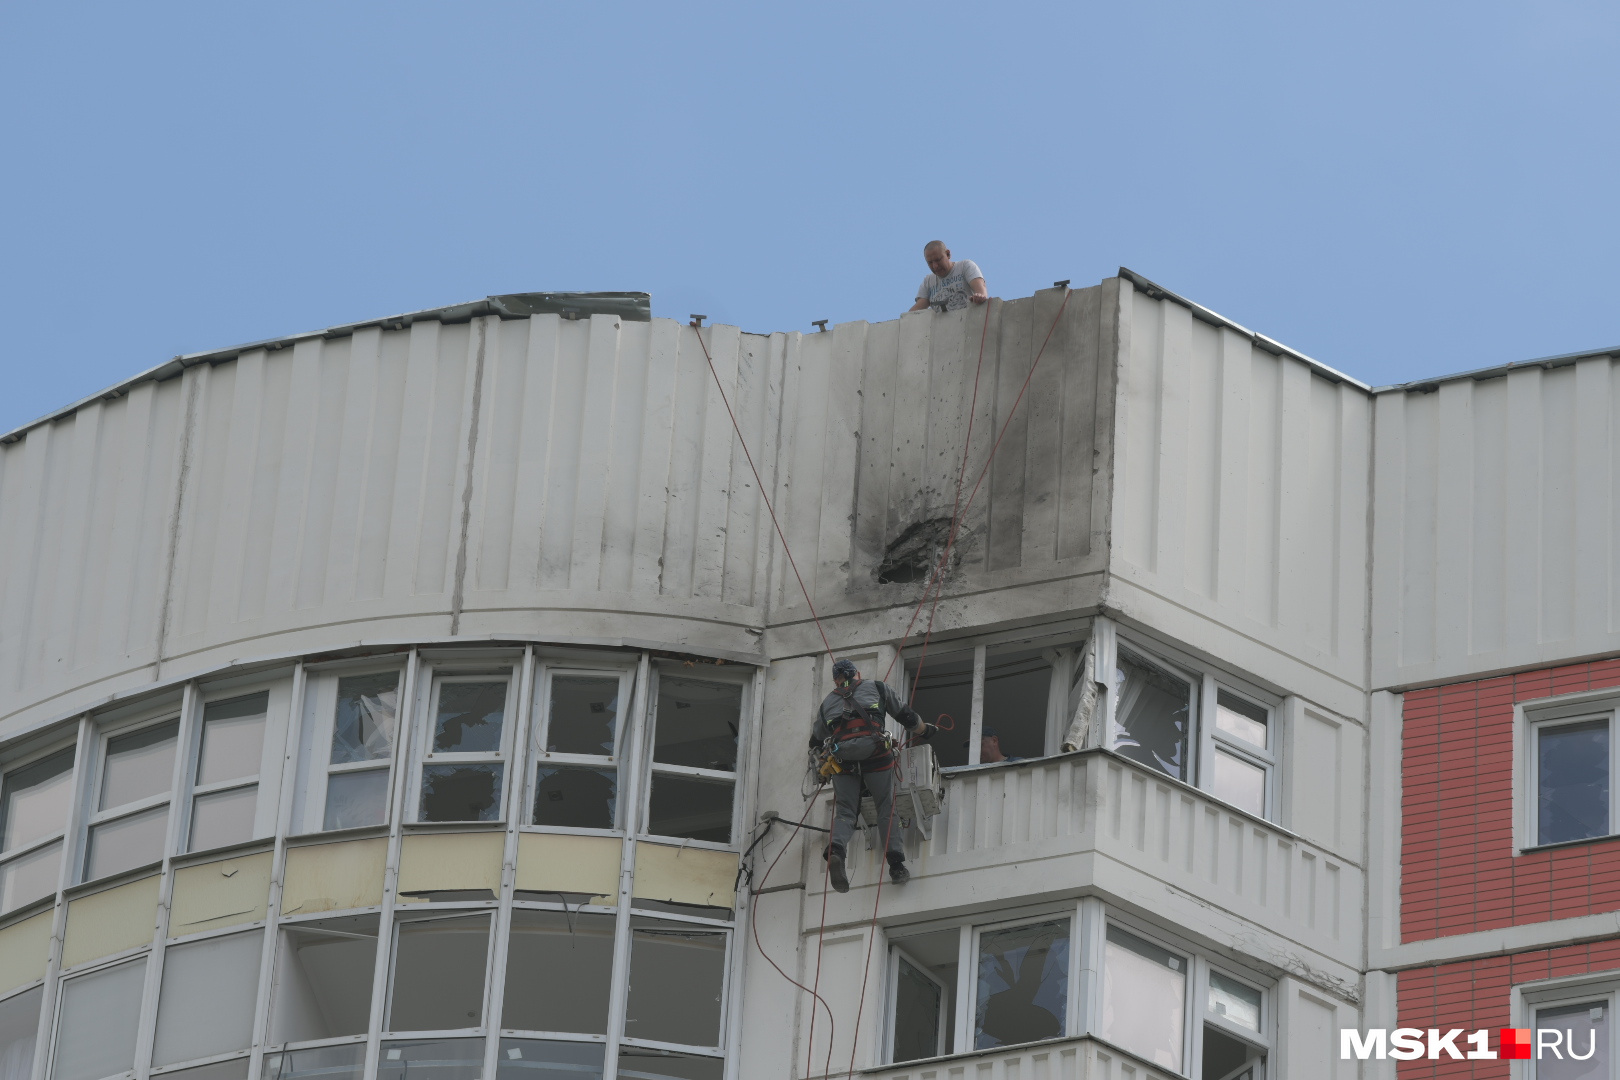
1515	1043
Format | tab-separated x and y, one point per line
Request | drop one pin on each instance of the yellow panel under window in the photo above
104	923
218	894
334	877
24	949
685	875
450	862
572	865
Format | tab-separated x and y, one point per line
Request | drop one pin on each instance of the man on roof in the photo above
850	725
949	285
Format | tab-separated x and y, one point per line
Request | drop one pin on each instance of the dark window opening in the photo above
697	724
945	691
576	797
1017	687
915	554
696	809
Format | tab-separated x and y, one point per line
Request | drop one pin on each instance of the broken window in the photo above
1022	987
1572	766
207	1002
322	987
464	768
97	1019
438	976
35	803
1144	998
576	774
1583	1050
1017	704
559	972
1153	715
343	1062
1226	1057
677	983
536	1059
19	1028
924	978
645	1063
225	794
1024	693
944	696
130	825
364	712
695	739
1229	1053
431	1059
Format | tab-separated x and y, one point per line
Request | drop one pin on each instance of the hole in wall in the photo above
915	553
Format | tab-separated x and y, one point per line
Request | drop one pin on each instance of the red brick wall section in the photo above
1478	994
1458	870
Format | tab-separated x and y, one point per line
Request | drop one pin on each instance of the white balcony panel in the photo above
1064	1059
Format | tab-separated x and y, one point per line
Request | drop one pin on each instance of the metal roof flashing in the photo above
631	306
1545	363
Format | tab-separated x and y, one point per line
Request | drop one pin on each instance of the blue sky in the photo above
1398	189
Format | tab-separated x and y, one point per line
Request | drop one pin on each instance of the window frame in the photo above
318	719
1530	998
433	675
535	754
648	768
67	743
1532	718
277	709
90	818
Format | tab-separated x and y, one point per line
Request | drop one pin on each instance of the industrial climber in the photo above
949	285
850	729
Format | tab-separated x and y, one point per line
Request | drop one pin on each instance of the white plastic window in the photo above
129	821
543	943
225	787
36	802
323	980
437	982
1573	1031
206	1005
97	1020
677	984
696	730
579	727
1238	750
19	1027
1144	1001
1024	695
462	776
1571	765
353	738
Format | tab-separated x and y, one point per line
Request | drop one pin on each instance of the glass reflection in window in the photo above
1023	984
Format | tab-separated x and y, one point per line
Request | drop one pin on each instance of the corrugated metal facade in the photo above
1495	525
1241	490
536	476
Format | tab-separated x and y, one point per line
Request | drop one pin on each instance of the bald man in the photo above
949	285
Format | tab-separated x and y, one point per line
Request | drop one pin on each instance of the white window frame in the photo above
621	987
1530	718
320	720
1529	998
146	1014
58	746
278	699
416	915
540	726
897	952
650	768
1211	740
435	675
178	714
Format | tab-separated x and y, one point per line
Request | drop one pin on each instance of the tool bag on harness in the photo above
860	741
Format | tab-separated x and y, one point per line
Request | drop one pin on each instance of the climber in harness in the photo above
857	752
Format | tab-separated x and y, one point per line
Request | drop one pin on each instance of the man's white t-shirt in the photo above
951	290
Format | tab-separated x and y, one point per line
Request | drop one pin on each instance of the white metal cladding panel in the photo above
1241	486
1494	532
1098	802
85	515
875	421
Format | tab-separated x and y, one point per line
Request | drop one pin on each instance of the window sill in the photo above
335	836
112	881
1536	849
228	851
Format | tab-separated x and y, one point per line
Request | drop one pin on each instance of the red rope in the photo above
761	485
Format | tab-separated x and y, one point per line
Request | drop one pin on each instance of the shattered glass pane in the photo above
139	765
544	943
677	975
126	843
684	806
439	974
584	715
323	979
1144	998
697	723
576	797
1572	781
225	817
36	800
98	1018
363	725
343	1062
534	1059
356	799
1023	984
30	877
431	1059
469	717
1154	716
469	792
232	738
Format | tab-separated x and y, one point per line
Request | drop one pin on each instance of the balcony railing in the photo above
1063	1059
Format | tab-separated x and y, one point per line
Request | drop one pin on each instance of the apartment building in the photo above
428	697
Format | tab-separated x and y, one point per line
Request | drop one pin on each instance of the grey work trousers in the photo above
847	805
